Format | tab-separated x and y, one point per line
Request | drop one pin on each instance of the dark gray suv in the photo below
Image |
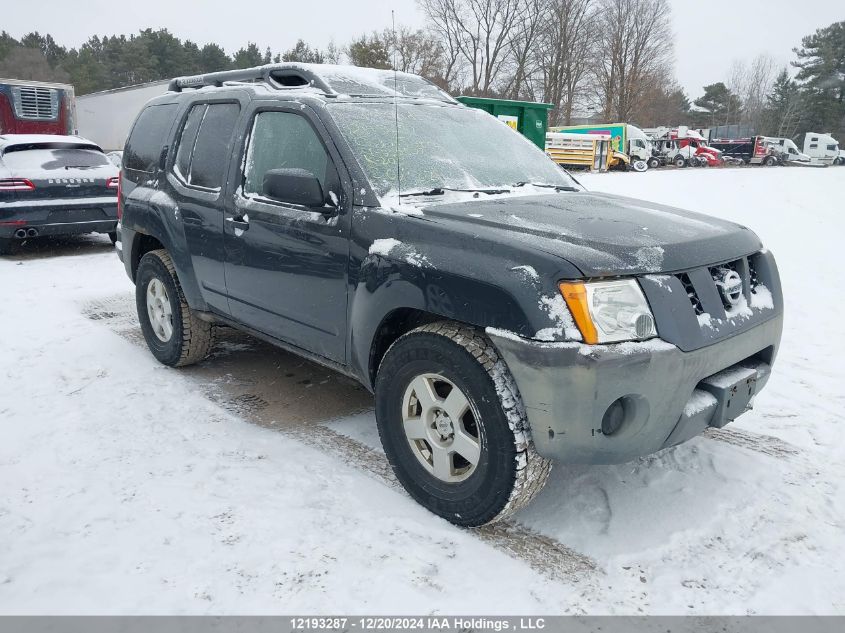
502	315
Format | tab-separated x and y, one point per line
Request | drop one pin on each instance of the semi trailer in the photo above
36	107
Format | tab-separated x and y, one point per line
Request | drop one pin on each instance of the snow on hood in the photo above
601	234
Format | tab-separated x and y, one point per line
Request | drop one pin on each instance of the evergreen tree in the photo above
821	64
370	51
783	107
212	58
719	104
248	57
301	52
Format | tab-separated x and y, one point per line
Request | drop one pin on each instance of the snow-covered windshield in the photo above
441	147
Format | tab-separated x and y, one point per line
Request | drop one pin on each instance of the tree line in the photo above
599	59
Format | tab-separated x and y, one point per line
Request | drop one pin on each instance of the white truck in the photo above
787	150
106	117
822	149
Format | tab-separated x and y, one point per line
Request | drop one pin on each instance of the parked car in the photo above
116	158
54	185
503	316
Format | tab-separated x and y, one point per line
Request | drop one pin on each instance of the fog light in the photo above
613	417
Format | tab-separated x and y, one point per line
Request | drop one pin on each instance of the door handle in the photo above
239	222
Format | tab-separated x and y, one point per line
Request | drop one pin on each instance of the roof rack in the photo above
328	79
278	76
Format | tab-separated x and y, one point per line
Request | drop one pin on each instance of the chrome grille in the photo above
36	103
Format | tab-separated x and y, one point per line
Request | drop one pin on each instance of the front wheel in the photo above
680	161
453	426
653	163
770	161
639	166
174	333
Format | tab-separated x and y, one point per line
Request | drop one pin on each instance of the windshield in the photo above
441	147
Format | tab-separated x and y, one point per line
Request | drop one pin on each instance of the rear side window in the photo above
832	148
284	140
147	138
205	145
187	140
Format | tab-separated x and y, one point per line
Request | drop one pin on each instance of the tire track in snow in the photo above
255	395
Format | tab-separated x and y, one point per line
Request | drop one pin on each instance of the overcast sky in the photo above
709	34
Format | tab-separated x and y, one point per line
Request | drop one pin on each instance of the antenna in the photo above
396	106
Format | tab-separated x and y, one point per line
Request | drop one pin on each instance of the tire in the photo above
770	161
653	163
839	161
680	161
437	359
113	237
5	246
639	166
190	338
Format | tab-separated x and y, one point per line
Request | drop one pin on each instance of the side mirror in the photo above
296	186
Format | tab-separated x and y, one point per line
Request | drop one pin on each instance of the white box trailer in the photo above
106	117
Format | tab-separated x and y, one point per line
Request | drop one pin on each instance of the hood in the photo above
601	234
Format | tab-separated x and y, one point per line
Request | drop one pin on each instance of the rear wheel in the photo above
453	425
680	161
174	333
770	160
653	163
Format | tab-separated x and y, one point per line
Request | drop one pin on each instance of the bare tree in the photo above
564	54
477	35
634	53
752	83
523	45
418	52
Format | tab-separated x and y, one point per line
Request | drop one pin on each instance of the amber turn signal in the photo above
575	295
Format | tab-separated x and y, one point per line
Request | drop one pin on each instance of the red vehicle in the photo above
683	146
33	107
756	150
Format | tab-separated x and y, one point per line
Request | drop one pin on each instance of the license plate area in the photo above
75	215
733	389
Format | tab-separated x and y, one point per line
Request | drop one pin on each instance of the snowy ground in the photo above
253	483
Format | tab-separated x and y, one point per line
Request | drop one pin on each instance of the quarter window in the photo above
284	140
147	137
205	145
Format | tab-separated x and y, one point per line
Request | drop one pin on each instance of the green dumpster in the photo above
527	117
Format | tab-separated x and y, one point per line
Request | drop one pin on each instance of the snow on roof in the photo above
358	80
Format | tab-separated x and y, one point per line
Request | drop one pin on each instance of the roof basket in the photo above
278	76
328	79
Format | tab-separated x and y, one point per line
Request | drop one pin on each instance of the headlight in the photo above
609	311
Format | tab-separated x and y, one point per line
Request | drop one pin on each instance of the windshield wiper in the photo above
439	191
542	184
79	166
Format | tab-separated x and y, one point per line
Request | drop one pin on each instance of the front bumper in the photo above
669	395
